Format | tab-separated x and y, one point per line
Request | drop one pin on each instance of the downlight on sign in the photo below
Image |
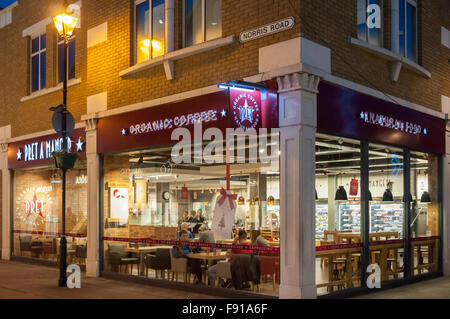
268	29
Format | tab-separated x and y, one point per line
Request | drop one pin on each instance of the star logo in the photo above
362	115
19	155
224	113
79	145
124	131
425	131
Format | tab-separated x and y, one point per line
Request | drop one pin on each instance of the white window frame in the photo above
381	30
150	25
72	38
203	23
416	48
32	55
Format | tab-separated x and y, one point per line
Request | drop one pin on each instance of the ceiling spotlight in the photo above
340	141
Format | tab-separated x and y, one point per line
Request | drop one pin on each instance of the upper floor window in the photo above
38	63
370	21
70	59
408	29
149	26
202	21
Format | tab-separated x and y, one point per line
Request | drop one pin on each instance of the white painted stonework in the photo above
5	133
97	103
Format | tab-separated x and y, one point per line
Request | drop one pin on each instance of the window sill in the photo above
168	58
43	92
397	60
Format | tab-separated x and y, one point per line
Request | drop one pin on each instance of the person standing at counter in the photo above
199	219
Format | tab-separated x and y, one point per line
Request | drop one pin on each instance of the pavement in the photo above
438	288
28	281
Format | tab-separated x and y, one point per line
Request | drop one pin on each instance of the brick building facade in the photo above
322	45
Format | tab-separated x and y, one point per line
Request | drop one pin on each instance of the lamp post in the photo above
65	24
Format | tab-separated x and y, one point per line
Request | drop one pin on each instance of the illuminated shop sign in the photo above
246	111
175	122
43	150
392	123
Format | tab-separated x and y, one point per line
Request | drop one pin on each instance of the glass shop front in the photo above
193	221
37	199
378	192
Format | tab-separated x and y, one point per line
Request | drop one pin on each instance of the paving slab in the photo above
28	281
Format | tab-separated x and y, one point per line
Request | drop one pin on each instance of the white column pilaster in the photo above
93	173
298	123
446	208
6	203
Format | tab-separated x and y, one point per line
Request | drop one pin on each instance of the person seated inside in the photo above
257	240
241	239
184	226
194	265
186	218
206	235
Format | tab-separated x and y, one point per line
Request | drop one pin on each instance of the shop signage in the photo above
347	113
392	123
268	29
34	206
38	151
236	108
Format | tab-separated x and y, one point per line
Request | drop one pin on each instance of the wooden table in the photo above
220	255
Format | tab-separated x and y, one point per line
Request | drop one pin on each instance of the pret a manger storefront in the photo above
378	191
149	194
36	192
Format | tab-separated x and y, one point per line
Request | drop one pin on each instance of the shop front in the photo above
378	192
36	194
207	165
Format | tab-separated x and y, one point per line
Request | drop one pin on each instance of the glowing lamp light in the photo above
65	24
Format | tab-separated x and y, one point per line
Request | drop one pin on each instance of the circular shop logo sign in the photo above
246	111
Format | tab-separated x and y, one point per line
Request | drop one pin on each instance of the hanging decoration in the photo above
223	219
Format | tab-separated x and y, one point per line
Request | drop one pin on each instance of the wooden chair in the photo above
179	265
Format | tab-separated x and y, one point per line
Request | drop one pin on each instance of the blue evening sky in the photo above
5	3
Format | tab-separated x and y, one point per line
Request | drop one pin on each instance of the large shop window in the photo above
149	29
424	225
148	197
202	21
338	216
37	213
386	210
38	63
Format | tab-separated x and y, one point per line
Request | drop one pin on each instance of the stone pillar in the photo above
298	122
6	203
93	198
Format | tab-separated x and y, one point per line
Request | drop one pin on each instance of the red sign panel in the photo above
154	125
38	151
348	113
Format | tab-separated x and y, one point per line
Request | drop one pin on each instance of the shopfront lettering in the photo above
175	122
392	123
44	150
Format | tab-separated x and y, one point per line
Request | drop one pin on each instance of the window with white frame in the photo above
408	29
202	21
149	29
69	59
38	62
370	21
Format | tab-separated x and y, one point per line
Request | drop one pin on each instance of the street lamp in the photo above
65	24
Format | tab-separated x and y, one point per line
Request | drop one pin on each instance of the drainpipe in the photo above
395	21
